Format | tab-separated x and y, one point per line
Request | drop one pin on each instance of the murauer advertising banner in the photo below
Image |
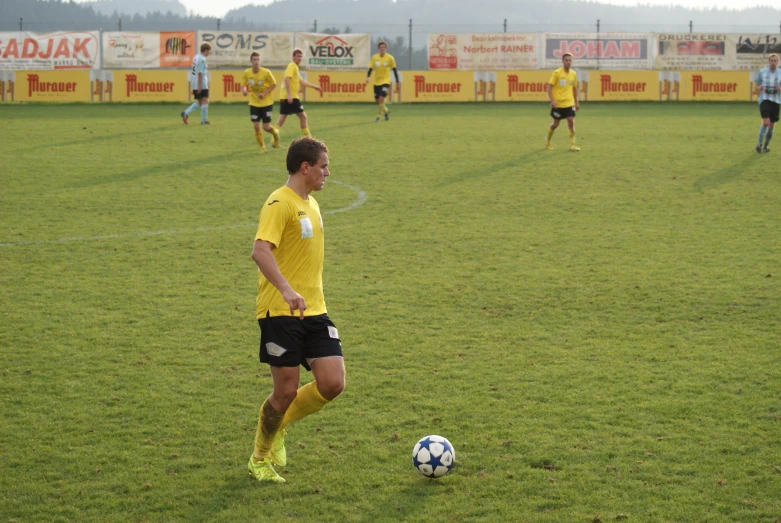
52	86
233	48
598	50
482	51
47	51
334	52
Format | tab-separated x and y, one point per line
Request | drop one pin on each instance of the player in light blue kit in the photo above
769	84
199	82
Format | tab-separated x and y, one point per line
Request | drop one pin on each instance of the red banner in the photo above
46	51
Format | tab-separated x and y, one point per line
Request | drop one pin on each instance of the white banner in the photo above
482	51
334	52
46	51
598	50
714	51
233	48
131	50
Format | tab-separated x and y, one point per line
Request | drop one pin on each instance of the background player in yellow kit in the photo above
259	84
382	63
289	103
563	96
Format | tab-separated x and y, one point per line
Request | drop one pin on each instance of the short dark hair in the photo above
297	50
304	149
565	55
205	46
382	42
254	54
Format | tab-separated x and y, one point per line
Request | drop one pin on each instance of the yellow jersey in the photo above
382	66
562	84
256	83
294	74
295	227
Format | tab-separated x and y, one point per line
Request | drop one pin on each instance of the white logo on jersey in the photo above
306	228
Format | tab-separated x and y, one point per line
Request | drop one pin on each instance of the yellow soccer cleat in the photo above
549	146
264	471
574	148
275	139
278	452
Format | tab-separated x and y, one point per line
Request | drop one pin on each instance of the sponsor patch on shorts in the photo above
333	332
274	349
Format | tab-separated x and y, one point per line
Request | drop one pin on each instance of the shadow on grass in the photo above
472	174
728	174
94	139
164	168
409	502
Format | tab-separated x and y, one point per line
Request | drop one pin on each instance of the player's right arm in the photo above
264	258
244	84
369	75
287	88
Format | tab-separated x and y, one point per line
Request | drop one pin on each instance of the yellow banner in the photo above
710	86
50	86
437	86
151	86
340	86
606	86
522	86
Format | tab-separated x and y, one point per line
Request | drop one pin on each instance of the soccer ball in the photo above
433	456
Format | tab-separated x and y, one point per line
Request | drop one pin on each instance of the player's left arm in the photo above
308	84
369	75
267	91
575	95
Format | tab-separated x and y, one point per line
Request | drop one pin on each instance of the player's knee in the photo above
285	395
331	388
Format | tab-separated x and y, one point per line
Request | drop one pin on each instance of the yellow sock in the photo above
308	401
269	421
550	133
274	131
305	131
383	108
572	138
379	110
259	138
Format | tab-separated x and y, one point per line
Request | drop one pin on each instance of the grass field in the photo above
597	333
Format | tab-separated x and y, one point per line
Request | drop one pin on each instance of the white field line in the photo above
360	199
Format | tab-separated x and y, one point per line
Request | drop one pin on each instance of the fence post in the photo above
315	26
505	25
21	24
598	53
410	44
691	26
218	24
119	25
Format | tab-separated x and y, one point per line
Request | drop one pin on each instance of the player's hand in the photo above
398	87
289	99
244	92
367	81
577	107
553	105
198	91
296	302
318	88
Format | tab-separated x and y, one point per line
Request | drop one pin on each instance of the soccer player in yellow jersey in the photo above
289	103
259	84
382	63
294	326
563	95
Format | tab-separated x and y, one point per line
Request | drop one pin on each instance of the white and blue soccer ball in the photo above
433	456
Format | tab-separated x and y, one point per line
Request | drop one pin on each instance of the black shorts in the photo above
769	110
294	108
203	94
287	341
381	90
560	113
262	114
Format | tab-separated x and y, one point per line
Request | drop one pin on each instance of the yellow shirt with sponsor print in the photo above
562	84
256	83
382	65
295	227
294	74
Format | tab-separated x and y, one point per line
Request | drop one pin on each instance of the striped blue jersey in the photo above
769	82
199	66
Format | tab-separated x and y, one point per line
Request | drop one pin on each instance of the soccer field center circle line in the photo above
360	199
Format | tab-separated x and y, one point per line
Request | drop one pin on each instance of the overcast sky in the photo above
218	8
